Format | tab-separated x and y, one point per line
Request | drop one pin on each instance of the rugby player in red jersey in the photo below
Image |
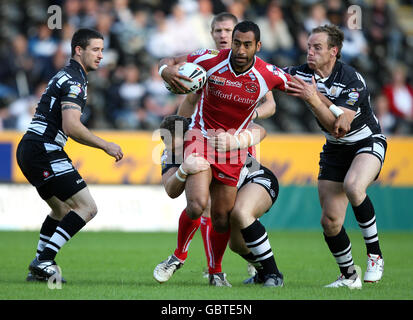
237	80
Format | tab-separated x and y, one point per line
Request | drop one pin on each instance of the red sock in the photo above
219	243
186	231
206	227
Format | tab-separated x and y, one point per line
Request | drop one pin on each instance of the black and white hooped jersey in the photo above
345	87
68	85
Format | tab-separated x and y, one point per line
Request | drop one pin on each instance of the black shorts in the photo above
48	168
336	159
265	178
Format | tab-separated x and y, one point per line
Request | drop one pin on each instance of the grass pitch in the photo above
119	266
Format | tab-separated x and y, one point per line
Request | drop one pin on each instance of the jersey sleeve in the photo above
167	162
71	91
352	95
203	57
279	78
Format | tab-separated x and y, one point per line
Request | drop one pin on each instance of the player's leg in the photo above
59	210
206	227
76	195
222	202
334	203
249	237
363	171
197	193
186	231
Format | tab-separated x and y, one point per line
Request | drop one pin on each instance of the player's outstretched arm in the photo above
174	179
187	108
267	107
73	127
168	70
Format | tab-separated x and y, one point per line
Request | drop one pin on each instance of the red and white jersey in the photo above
228	100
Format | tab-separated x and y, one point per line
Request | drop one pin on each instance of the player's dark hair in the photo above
82	37
246	26
335	36
171	123
222	17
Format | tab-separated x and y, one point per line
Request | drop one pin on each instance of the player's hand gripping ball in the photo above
193	71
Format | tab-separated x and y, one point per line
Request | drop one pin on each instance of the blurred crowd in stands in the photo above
126	93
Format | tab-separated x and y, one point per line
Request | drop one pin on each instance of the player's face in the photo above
318	53
222	33
92	54
244	47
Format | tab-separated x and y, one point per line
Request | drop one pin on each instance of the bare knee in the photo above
195	208
331	226
354	191
238	218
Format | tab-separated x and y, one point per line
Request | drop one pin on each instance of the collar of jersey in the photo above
241	74
332	75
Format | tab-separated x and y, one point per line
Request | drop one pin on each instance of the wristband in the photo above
179	177
336	110
161	69
182	170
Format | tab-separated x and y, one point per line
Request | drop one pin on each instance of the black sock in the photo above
67	228
46	231
256	239
340	247
366	218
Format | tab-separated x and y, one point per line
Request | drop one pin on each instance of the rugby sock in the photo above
340	247
67	228
46	231
366	219
219	243
206	227
186	230
256	239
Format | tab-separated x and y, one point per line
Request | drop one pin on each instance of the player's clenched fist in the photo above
194	163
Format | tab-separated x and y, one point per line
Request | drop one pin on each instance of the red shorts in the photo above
225	166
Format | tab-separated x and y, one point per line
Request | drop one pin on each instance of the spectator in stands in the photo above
17	69
125	100
21	111
400	96
277	41
355	46
386	118
160	42
201	22
382	30
317	17
158	101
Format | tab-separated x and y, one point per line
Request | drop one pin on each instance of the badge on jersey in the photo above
74	91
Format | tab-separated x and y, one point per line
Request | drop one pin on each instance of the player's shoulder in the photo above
266	68
303	70
347	74
207	54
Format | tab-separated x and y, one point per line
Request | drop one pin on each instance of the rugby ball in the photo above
193	71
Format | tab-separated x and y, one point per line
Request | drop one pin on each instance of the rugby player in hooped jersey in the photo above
237	80
351	158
